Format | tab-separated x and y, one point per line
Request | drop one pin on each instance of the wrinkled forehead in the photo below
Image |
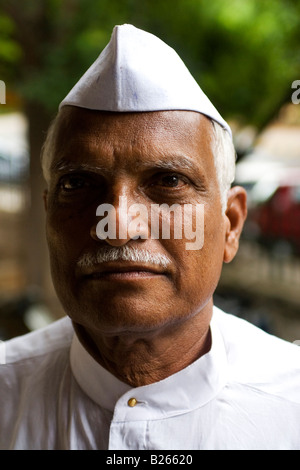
72	118
81	132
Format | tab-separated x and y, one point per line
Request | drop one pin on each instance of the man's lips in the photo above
122	270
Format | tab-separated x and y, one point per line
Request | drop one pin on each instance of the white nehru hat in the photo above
137	72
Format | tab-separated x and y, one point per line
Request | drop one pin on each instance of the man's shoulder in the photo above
33	368
258	359
55	336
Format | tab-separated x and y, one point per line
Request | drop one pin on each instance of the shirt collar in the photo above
180	393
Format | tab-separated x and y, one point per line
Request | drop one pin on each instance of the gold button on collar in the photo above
132	402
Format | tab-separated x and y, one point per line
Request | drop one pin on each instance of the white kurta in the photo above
243	394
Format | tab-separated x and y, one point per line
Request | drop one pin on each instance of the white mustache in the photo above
123	253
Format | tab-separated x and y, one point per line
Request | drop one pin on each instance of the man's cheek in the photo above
68	223
62	237
179	222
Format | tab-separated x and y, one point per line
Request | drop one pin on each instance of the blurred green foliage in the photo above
244	53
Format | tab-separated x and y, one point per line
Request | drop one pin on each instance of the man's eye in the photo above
170	181
71	183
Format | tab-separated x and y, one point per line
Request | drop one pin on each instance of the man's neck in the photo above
141	359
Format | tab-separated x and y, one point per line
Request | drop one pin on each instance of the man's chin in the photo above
127	317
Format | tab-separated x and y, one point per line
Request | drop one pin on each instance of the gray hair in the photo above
225	158
222	147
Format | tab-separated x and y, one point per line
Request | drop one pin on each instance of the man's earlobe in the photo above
45	199
236	214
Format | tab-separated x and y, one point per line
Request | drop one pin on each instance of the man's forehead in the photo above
81	118
171	138
82	125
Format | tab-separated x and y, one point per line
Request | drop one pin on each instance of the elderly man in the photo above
143	359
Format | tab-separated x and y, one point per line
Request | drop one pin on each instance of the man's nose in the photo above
121	222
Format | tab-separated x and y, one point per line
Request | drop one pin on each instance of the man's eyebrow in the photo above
176	162
66	165
169	163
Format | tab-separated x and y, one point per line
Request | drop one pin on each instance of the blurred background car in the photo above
274	210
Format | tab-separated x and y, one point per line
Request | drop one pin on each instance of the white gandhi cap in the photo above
137	72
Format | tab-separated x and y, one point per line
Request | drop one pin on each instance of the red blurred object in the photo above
274	214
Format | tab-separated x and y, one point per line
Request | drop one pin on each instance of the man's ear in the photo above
45	199
235	215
